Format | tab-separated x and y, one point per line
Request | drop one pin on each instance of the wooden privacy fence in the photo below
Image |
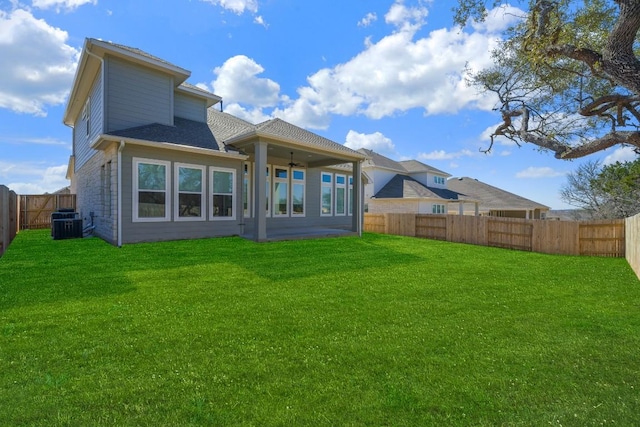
595	238
8	217
632	226
36	210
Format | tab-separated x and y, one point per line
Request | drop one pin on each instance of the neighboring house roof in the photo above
378	160
403	187
414	166
490	197
184	132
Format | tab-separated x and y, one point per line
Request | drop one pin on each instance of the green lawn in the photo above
379	330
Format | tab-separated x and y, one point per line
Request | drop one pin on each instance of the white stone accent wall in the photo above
92	195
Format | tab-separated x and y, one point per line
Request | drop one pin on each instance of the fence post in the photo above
4	218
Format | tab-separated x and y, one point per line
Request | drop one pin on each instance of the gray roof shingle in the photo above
184	132
403	186
414	166
490	197
375	159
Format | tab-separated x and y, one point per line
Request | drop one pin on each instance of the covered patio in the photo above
283	150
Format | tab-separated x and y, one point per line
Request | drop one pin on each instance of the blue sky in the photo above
387	75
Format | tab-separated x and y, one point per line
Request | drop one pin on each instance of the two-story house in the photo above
154	158
411	186
407	186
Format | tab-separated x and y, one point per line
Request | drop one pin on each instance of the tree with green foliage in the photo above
612	191
567	76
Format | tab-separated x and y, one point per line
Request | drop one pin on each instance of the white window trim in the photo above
302	181
203	192
350	200
344	198
248	213
86	116
234	194
136	190
273	190
330	186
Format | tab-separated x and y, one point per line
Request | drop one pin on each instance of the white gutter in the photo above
120	148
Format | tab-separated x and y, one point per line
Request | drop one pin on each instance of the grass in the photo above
381	330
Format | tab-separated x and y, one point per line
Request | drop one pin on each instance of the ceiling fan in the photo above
291	163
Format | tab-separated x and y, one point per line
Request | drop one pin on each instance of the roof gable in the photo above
414	166
406	187
378	160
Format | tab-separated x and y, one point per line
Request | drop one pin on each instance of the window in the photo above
438	209
86	116
151	190
223	184
438	180
280	191
341	194
350	196
297	192
189	187
326	194
268	191
246	195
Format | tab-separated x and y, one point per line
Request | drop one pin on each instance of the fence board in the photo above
595	238
36	210
602	238
400	224
374	223
431	227
632	242
8	217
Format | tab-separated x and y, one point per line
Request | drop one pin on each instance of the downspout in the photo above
120	148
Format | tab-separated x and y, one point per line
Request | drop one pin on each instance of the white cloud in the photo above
399	73
237	81
37	65
253	115
260	21
368	20
236	6
443	155
623	154
33	178
374	141
539	172
59	5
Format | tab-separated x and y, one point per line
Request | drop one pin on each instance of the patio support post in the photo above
358	214
260	199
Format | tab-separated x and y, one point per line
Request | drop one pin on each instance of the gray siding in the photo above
134	232
191	108
81	141
136	96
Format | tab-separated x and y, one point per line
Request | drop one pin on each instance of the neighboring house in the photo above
154	159
408	187
497	202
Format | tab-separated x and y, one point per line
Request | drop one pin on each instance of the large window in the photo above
189	188
280	191
439	180
151	190
326	194
223	185
297	192
341	194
